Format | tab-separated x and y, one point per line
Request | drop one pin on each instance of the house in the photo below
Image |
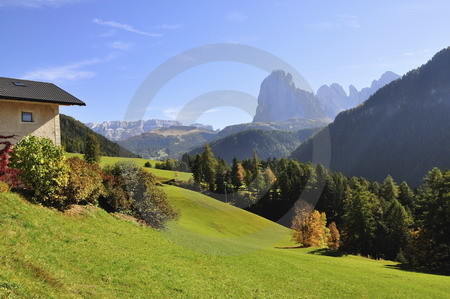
31	107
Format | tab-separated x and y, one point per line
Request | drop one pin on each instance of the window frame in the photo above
26	121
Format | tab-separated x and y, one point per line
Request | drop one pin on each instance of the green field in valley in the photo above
213	250
162	175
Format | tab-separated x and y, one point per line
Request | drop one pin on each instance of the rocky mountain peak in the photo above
279	100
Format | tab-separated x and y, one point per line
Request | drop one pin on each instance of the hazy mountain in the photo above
279	100
402	130
293	124
121	130
73	138
266	144
334	99
167	142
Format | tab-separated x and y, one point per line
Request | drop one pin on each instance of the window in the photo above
27	117
19	84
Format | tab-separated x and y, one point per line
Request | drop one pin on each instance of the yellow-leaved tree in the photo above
309	228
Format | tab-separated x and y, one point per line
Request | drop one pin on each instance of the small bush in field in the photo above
42	169
4	187
85	183
148	164
131	190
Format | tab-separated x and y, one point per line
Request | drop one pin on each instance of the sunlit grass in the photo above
214	250
162	175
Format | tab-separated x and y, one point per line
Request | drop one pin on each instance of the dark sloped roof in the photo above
33	91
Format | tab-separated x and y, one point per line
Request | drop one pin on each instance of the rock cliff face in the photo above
279	100
120	130
334	99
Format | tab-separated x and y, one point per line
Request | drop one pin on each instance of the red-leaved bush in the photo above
7	175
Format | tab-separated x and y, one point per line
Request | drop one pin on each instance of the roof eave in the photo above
44	101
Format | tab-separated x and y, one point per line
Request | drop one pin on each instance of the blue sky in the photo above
102	50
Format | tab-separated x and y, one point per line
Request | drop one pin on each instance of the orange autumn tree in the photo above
334	239
310	230
309	227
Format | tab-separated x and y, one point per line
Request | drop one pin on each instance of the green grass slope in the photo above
161	174
214	250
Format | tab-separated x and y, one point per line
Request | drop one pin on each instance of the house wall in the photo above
45	120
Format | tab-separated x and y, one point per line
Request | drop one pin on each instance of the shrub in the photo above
154	208
148	164
7	174
4	187
131	190
42	169
85	183
123	184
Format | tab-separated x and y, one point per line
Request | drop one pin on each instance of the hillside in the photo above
167	142
73	136
266	144
161	174
293	124
402	130
214	250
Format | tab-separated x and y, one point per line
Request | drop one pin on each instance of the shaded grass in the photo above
214	250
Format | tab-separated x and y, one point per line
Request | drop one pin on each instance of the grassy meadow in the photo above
213	250
161	174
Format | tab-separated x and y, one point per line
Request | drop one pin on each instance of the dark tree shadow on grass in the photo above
409	268
328	252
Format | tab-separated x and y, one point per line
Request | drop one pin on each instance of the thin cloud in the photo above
214	110
70	72
418	53
37	3
108	33
171	113
169	26
242	39
415	7
236	17
120	45
125	27
343	21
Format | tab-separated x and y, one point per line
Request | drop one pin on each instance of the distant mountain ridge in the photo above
73	138
334	99
266	144
293	124
402	130
121	129
280	100
169	142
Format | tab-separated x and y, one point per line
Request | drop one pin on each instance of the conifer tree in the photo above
398	234
359	222
389	189
405	196
92	149
209	165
